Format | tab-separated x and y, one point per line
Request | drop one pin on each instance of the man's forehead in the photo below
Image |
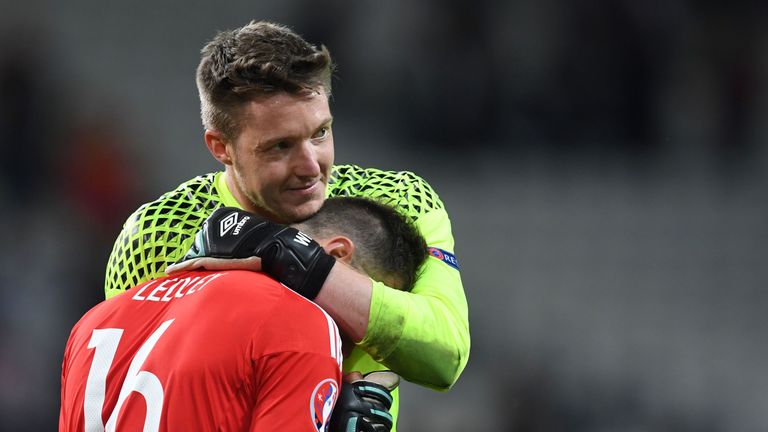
285	115
279	101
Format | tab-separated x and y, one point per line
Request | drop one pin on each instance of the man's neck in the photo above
234	191
228	192
233	196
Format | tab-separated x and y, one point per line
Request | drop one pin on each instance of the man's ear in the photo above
341	248
218	146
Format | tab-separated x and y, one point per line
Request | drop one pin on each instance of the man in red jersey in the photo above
208	351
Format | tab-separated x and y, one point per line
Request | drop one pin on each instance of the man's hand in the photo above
216	264
287	254
364	402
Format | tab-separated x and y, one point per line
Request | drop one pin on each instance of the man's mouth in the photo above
306	189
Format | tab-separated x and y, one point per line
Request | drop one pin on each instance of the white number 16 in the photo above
105	342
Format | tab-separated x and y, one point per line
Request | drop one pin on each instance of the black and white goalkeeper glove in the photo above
287	254
363	406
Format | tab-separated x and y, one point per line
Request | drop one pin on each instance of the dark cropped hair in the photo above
257	60
387	246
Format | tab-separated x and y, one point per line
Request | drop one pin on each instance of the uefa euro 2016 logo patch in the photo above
321	404
444	256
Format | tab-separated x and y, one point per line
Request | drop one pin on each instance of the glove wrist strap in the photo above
317	275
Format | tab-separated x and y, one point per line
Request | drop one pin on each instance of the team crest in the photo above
321	404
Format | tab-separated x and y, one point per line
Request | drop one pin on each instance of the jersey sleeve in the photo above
423	335
71	409
298	368
297	394
64	414
158	233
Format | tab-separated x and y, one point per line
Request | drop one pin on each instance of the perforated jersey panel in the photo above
404	190
160	232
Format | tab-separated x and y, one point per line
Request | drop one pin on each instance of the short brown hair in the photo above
387	245
256	60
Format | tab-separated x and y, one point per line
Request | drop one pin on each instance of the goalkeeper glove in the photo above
287	255
363	406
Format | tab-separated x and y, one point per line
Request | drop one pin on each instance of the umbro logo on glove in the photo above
287	254
230	222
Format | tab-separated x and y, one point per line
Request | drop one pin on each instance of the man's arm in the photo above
64	415
297	392
296	358
423	335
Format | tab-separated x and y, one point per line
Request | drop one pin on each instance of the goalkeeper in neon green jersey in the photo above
264	103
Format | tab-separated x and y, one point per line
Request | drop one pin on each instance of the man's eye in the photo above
321	133
282	145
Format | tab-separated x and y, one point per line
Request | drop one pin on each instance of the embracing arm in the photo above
423	335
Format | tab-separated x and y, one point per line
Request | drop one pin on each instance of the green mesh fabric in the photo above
160	232
404	190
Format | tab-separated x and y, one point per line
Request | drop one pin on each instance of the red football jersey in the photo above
230	350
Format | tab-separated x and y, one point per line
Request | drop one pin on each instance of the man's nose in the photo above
306	162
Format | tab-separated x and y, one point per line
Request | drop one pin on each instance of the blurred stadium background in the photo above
604	164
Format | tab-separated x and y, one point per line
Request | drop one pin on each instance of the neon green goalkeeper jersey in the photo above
423	335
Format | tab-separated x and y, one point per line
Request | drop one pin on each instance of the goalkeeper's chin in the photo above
296	209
